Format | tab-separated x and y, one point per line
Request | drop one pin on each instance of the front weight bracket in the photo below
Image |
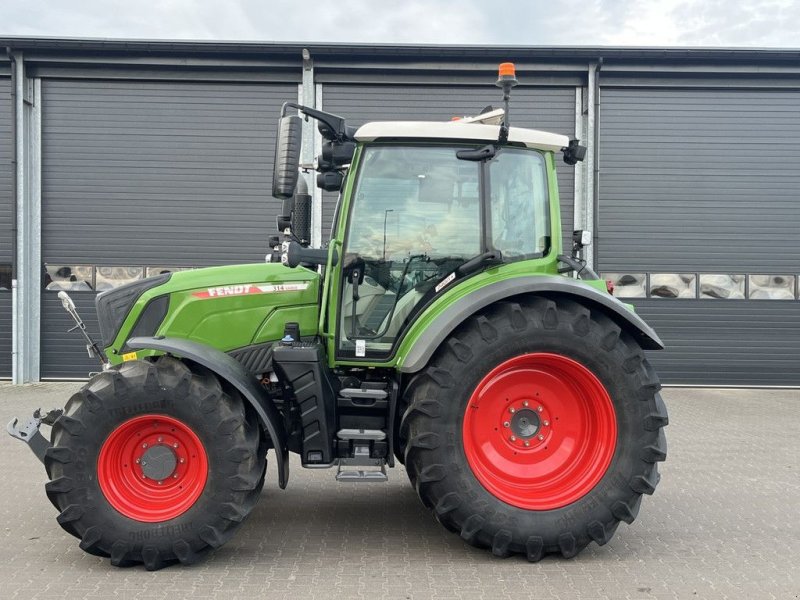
29	433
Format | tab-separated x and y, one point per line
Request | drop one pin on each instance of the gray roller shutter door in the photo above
152	173
549	109
6	216
706	181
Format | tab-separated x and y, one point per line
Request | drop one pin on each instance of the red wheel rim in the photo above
539	431
152	468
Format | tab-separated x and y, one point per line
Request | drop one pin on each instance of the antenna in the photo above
506	79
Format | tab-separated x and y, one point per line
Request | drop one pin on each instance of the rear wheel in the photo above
535	429
154	463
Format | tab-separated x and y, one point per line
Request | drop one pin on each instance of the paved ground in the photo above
724	523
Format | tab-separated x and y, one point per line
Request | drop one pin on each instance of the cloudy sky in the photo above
760	23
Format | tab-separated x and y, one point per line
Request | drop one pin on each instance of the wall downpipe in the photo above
596	164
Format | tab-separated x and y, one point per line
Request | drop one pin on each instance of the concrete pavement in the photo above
724	523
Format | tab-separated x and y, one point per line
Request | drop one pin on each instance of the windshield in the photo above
416	217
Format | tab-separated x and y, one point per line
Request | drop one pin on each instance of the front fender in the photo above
434	334
234	373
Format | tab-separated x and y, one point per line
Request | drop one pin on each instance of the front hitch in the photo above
29	433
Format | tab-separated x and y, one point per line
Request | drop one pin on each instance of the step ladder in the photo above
361	467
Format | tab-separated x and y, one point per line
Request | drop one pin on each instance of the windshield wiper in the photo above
492	257
478	154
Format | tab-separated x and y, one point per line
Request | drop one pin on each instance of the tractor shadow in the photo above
316	520
317	516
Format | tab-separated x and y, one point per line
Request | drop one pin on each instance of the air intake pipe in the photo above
301	213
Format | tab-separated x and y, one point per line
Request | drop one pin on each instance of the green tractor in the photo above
440	327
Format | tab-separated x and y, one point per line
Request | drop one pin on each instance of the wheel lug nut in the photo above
512	410
160	483
540	408
527	444
506	424
513	438
138	460
541	437
144	445
160	439
175	476
525	403
546	423
182	460
175	445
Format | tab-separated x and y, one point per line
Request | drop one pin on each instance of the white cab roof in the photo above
458	130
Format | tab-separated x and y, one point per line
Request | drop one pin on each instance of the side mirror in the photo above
574	153
287	156
582	237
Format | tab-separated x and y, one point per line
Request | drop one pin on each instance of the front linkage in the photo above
29	433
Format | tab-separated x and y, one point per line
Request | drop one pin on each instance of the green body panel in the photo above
215	306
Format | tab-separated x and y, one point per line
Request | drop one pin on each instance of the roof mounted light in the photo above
506	79
506	72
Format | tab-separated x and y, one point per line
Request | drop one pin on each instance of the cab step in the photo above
361	467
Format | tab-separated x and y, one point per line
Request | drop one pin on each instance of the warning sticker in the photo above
444	282
129	356
361	348
244	289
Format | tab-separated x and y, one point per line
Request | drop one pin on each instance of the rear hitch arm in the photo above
29	433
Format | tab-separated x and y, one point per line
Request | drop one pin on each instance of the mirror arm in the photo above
334	123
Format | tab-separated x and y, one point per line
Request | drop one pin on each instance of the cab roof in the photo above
458	130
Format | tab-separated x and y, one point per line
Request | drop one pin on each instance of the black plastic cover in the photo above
151	317
114	305
302	366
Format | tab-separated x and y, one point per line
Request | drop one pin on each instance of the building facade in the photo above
120	159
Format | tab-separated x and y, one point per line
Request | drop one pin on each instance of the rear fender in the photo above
433	335
229	369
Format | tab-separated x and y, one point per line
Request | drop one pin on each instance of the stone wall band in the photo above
705	286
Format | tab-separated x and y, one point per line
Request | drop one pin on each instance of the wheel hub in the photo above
527	421
525	424
158	462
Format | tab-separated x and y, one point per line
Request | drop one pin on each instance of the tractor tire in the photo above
154	463
535	429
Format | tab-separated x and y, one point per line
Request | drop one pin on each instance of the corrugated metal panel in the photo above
549	109
160	173
6	170
699	180
725	342
64	353
706	181
5	334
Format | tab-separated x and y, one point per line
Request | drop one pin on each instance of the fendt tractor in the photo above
440	327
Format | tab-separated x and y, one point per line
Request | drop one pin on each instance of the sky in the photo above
730	23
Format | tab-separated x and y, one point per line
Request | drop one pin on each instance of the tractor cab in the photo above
423	206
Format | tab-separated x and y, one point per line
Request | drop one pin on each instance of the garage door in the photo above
699	221
6	214
549	109
141	177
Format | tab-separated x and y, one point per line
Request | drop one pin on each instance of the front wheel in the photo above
154	463
535	429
